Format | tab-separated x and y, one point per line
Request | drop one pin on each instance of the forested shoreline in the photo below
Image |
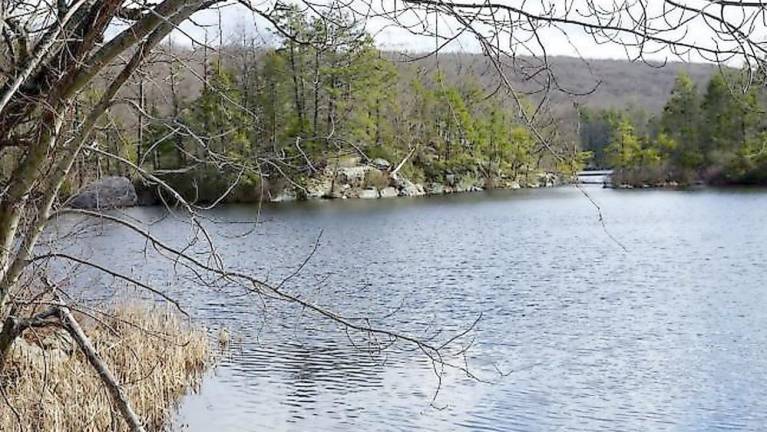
716	136
318	111
271	121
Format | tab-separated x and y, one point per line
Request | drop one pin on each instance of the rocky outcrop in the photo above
106	193
353	176
370	193
381	164
410	189
55	348
375	180
284	196
435	188
320	187
407	188
548	179
59	340
388	192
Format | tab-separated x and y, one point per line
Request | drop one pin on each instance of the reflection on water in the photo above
669	336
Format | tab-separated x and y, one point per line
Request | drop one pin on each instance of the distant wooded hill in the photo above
592	83
615	83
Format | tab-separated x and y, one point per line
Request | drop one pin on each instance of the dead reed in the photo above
50	386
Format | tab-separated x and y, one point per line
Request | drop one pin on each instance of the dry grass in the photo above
50	386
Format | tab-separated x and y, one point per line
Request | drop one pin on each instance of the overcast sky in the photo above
576	42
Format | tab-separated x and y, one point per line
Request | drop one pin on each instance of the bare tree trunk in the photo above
316	107
297	92
181	156
377	139
109	380
10	331
140	131
14	202
403	161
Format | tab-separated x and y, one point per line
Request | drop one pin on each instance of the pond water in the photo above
670	334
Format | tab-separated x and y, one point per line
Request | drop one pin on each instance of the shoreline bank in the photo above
73	395
374	180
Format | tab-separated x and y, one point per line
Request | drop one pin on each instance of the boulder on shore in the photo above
435	189
40	356
369	194
407	187
381	164
320	187
388	192
411	189
547	179
106	193
284	196
353	176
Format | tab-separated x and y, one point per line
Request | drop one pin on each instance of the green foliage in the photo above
595	129
215	116
598	127
207	184
326	92
573	165
717	137
624	149
681	122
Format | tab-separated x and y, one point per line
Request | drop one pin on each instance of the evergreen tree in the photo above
223	127
680	122
625	149
721	119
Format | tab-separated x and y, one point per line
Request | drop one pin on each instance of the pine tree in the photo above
223	126
680	121
721	117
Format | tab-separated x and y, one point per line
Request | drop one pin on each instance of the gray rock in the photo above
106	193
354	176
468	183
411	189
435	189
406	187
317	193
284	196
450	179
59	340
515	185
320	188
368	194
38	356
389	192
548	179
381	164
26	350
